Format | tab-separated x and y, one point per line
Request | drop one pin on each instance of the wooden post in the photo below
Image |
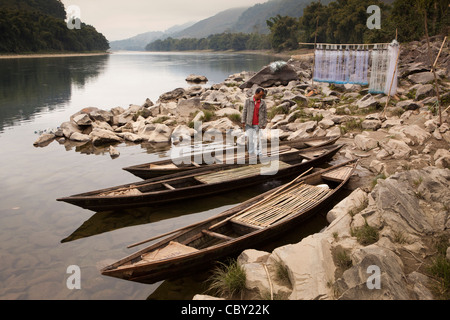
432	69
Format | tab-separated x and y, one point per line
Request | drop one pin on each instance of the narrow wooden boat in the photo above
169	166
245	226
201	182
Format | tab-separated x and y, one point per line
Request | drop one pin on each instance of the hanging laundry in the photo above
384	69
339	65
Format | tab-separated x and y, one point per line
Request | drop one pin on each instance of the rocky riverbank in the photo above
401	198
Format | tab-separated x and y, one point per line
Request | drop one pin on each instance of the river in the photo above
41	238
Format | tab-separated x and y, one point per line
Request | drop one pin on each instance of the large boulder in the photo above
276	72
413	135
365	142
156	133
398	201
310	267
422	77
368	101
187	107
173	95
101	136
356	283
397	149
44	140
68	128
196	78
424	91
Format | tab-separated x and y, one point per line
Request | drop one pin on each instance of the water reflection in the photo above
29	86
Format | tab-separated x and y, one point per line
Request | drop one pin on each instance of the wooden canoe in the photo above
201	182
169	166
242	227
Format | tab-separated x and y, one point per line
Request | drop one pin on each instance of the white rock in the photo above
310	267
355	200
113	152
44	139
326	123
396	148
364	142
79	137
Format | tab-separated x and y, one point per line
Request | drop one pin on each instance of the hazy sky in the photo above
122	19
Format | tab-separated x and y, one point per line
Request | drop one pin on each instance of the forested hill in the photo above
28	26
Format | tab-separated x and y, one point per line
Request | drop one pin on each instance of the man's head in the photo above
260	93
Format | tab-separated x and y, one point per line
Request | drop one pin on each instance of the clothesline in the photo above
335	64
343	44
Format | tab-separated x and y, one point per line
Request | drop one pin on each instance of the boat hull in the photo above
92	201
193	262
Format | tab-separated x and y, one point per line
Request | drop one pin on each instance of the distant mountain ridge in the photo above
246	20
138	43
218	23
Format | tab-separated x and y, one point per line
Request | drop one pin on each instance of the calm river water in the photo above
40	237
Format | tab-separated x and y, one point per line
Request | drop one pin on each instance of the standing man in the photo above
254	117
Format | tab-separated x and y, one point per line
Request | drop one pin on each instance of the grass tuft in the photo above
228	280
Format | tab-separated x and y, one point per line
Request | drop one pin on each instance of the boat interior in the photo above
235	172
289	200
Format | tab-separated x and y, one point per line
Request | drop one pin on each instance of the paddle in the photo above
203	221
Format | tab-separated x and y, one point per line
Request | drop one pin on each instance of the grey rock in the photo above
424	91
408	105
79	137
422	77
101	115
357	282
44	139
82	119
101	136
270	75
173	95
367	101
371	124
196	78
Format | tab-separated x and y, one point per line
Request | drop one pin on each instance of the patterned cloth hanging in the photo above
338	65
384	71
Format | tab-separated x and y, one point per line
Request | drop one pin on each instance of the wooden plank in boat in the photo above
312	154
237	173
217	235
130	191
163	166
338	175
173	249
296	200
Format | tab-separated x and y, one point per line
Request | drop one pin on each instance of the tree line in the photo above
217	42
341	21
25	29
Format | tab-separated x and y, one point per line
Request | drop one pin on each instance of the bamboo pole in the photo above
433	67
